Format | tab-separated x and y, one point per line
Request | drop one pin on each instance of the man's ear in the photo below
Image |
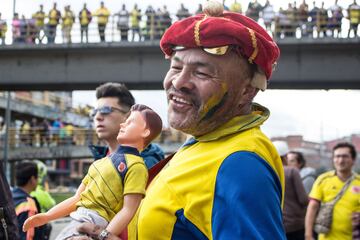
34	180
249	92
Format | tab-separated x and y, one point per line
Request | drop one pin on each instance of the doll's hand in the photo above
35	221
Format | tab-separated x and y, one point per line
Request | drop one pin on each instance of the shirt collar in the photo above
127	150
237	124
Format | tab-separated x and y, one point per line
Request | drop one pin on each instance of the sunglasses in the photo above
106	110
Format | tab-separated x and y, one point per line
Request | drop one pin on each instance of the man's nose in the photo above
99	116
183	80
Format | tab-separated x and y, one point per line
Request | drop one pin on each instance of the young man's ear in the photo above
34	180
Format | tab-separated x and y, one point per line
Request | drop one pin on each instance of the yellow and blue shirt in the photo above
227	184
112	177
325	189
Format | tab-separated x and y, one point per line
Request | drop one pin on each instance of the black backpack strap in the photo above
3	223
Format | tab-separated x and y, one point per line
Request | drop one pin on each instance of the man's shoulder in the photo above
326	177
356	177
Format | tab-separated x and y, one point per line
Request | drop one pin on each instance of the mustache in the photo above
186	93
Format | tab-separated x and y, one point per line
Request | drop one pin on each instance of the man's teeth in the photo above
181	100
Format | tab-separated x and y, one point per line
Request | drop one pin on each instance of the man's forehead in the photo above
342	150
108	101
199	58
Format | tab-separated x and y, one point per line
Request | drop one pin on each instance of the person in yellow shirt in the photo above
135	17
84	19
53	20
354	17
103	17
68	20
326	188
39	17
3	29
236	7
111	192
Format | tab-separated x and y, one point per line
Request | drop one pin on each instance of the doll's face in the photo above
132	130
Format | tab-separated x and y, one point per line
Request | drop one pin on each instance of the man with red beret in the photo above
227	180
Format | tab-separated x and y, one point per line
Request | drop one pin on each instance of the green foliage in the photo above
59	197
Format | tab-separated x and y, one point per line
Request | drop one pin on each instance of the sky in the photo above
316	114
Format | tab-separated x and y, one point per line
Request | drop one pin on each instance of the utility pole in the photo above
14	7
7	136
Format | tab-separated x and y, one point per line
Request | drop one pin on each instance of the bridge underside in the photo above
304	64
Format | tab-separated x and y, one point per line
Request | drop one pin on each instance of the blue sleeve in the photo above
21	219
247	200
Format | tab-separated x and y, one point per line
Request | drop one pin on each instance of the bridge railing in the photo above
152	26
35	137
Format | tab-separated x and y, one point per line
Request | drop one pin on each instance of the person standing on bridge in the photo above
354	18
84	19
68	20
227	180
39	17
3	30
102	18
53	20
111	192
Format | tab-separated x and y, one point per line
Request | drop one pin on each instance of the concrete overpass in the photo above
304	64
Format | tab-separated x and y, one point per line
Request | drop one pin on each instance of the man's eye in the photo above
178	68
201	74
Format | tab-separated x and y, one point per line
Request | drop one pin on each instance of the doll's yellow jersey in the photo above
112	177
227	184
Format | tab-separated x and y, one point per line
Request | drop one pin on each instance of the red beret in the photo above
224	29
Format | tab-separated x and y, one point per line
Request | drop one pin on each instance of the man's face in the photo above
132	130
292	160
343	161
107	125
34	182
204	91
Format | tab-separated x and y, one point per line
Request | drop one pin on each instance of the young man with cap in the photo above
227	181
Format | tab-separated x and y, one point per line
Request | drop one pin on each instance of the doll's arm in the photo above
122	218
61	210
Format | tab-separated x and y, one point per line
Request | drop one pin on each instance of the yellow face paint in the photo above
213	100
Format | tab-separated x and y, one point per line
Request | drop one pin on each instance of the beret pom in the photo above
213	8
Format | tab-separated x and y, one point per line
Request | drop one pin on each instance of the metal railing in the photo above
36	137
285	24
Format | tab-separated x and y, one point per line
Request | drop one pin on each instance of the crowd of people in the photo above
306	192
46	133
297	20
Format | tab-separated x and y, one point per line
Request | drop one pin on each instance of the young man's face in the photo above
107	125
34	182
292	160
132	130
343	161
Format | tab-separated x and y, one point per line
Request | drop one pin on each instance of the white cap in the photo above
282	147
